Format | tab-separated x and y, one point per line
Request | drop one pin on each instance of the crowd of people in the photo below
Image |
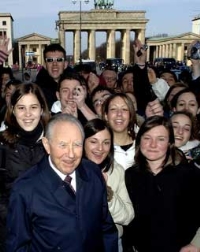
94	163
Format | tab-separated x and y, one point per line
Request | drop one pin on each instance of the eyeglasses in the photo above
55	59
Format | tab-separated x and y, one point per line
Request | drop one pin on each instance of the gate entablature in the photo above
108	20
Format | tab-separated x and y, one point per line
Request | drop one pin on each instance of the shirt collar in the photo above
59	173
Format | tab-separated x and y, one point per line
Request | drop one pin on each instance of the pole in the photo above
80	20
80	60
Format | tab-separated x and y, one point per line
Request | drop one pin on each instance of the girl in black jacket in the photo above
20	144
164	190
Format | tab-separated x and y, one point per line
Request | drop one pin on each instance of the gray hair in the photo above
62	118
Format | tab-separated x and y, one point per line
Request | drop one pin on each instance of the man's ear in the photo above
66	64
45	143
58	95
106	117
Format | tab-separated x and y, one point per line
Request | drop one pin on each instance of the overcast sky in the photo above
165	16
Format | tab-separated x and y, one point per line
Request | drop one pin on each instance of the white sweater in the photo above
124	158
120	206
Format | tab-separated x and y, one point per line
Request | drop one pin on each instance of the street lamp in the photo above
80	20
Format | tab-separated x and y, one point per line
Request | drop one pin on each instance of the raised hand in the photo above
79	96
190	248
4	52
154	108
137	46
4	46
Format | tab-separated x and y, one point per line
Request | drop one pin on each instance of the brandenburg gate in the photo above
103	20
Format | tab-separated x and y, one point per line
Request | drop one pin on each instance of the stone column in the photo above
157	51
182	51
163	51
20	55
27	50
92	45
111	44
174	51
167	50
126	46
107	45
141	35
62	37
40	55
170	50
77	46
148	54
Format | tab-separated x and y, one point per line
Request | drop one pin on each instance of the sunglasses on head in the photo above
55	59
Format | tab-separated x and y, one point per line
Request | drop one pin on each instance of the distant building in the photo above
6	31
170	46
31	47
196	25
173	46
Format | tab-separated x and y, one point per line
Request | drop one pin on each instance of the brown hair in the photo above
129	103
173	155
194	123
10	120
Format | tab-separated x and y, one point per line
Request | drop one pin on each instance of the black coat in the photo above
142	88
48	85
14	161
53	219
166	208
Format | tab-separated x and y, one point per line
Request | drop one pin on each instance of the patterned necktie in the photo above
68	180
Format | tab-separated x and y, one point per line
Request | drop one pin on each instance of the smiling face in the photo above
118	115
54	68
154	144
28	112
97	147
65	146
169	78
127	82
187	101
182	126
66	93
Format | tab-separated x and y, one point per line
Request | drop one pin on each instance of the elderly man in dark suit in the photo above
48	212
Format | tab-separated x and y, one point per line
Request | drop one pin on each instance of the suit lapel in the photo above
81	177
55	186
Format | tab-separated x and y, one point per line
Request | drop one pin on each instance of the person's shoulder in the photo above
90	165
117	173
69	70
91	168
28	179
117	168
187	170
4	144
133	170
43	78
2	140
